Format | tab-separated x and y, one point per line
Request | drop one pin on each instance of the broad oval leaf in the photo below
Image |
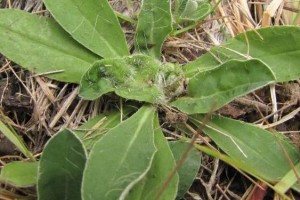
154	25
61	167
19	173
92	23
189	170
120	158
137	77
278	47
216	87
162	165
251	146
40	45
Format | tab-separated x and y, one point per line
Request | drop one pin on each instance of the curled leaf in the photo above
137	77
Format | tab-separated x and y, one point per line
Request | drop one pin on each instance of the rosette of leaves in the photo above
131	159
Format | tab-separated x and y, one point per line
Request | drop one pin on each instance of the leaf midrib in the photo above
91	47
241	143
139	127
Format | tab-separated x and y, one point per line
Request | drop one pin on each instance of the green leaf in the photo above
61	167
178	8
14	138
137	77
189	7
154	25
95	128
40	45
162	165
120	158
234	163
195	10
296	187
278	47
92	23
19	173
288	180
251	146
189	170
91	131
218	86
